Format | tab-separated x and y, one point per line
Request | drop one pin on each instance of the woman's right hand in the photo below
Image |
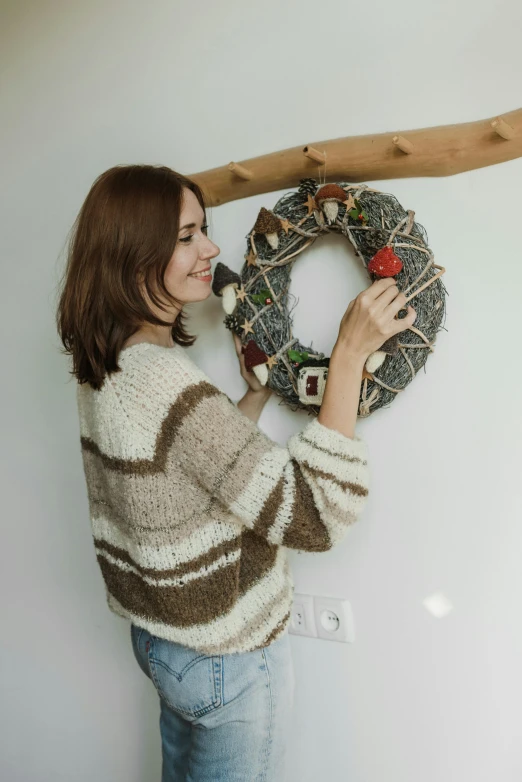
370	318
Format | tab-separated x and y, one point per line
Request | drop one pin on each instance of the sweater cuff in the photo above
335	442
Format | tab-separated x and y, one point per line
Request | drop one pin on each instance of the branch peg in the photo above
314	154
241	171
501	127
403	144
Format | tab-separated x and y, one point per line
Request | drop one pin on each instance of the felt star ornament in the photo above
247	327
271	361
285	225
240	294
251	258
310	203
349	203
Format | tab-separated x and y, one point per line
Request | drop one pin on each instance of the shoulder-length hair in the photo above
123	236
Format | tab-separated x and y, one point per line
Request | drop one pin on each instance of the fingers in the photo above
395	301
389	299
237	342
401	324
378	287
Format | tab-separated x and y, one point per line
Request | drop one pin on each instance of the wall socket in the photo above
322	617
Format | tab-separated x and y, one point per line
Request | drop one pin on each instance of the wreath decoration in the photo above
388	242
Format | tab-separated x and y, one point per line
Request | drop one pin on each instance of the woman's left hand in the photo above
250	377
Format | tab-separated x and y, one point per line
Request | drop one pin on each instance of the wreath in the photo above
388	242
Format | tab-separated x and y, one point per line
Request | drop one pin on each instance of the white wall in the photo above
195	85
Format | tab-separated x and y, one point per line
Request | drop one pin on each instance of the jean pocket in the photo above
187	680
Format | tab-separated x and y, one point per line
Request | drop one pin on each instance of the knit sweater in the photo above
193	508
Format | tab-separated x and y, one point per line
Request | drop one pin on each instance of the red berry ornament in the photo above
268	300
385	263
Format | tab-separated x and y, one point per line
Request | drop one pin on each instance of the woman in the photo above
192	507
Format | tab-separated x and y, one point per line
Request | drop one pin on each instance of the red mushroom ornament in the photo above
385	263
328	198
255	360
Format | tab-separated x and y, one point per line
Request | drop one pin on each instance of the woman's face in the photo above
193	253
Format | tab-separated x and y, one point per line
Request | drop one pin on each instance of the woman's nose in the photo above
211	250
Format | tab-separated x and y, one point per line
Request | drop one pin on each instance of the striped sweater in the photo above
193	508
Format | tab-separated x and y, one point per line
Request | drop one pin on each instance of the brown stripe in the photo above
306	531
198	601
355	488
204	560
268	512
276	631
258	556
184	405
332	453
243	441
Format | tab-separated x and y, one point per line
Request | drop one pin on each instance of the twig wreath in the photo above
389	243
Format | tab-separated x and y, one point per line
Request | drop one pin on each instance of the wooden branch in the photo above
439	151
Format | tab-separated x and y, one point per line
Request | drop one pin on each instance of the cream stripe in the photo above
285	511
249	607
132	391
224	561
356	472
332	440
262	480
170	555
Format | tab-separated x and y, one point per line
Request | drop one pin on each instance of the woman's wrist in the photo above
347	352
259	393
253	402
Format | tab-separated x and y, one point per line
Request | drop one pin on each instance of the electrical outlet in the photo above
334	619
302	617
322	617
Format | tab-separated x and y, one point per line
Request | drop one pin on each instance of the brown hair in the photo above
124	234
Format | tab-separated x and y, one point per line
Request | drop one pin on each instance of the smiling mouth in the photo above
203	275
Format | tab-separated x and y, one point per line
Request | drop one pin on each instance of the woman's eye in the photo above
187	239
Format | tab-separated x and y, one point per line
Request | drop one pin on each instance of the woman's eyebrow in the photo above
191	225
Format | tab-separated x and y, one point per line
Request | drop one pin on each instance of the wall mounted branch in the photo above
439	151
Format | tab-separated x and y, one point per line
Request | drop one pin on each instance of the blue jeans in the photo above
223	718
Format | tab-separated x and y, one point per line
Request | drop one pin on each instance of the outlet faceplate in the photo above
334	619
302	618
322	617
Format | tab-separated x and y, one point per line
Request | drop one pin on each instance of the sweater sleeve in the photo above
303	496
